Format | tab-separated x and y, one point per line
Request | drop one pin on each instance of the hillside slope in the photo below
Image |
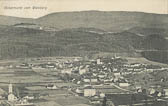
115	21
85	33
109	21
8	20
23	42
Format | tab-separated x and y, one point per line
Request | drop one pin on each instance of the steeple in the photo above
11	96
10	89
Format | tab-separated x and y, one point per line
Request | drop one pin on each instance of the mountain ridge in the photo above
84	11
85	33
106	20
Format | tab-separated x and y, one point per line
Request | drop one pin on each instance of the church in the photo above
11	96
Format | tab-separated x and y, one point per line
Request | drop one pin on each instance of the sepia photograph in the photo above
83	52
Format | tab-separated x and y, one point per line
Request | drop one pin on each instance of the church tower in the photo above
11	96
10	89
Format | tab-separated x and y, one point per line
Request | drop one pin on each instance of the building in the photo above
89	91
86	80
94	79
124	84
79	90
66	71
166	91
29	97
101	75
82	71
11	96
99	61
51	86
117	74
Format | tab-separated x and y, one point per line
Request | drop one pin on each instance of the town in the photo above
73	81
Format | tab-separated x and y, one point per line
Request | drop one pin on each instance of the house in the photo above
101	75
138	86
29	97
11	97
86	85
82	71
93	80
86	80
89	91
94	74
149	70
23	65
135	65
102	95
51	86
79	90
50	66
137	69
76	59
124	84
166	91
130	69
66	71
117	74
108	81
152	91
115	70
99	62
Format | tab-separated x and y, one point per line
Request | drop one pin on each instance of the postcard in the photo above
83	52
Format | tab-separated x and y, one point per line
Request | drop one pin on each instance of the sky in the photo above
38	8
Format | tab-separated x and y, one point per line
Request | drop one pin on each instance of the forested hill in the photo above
85	34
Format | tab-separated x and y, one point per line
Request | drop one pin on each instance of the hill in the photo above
18	42
85	33
116	21
8	20
25	42
108	21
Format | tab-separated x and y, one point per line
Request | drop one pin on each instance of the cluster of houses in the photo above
93	75
102	76
100	71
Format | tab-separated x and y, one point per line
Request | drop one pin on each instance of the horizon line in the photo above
84	11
